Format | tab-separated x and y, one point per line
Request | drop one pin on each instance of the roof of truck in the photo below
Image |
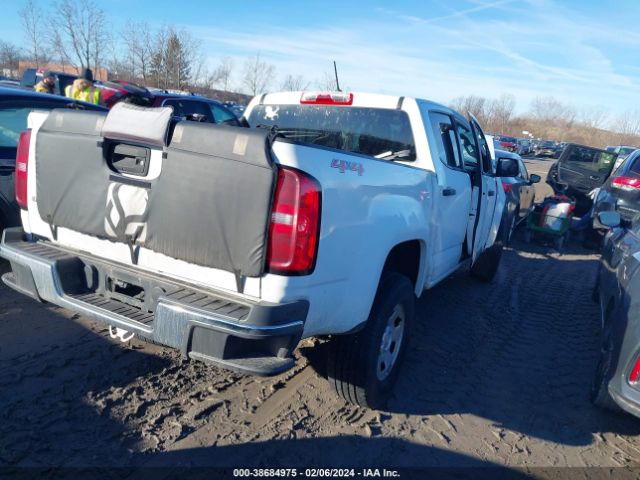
358	99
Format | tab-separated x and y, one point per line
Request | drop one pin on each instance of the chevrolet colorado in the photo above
327	217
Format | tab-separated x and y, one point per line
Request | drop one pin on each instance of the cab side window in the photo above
470	156
446	144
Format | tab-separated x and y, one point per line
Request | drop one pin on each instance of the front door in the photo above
488	194
452	198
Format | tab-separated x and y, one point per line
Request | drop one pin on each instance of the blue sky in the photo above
582	52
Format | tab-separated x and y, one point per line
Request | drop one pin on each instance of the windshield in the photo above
548	143
380	133
508	139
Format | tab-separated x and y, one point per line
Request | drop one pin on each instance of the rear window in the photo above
376	132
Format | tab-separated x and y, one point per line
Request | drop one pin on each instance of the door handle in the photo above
594	177
448	192
491	193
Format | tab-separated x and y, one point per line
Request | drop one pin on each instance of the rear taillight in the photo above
22	168
626	183
634	376
295	224
507	187
326	98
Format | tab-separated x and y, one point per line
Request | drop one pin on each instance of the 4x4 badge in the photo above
344	166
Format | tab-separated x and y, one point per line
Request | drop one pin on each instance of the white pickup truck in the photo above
327	217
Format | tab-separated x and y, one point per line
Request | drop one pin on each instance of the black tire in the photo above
600	396
486	265
353	360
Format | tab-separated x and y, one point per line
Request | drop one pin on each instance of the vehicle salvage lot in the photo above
497	374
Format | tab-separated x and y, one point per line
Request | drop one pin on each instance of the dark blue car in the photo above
15	106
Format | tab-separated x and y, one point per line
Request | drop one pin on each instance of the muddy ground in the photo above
497	374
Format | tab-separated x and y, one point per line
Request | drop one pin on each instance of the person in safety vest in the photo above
83	88
47	83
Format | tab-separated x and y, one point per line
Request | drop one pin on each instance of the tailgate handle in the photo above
491	193
130	159
448	192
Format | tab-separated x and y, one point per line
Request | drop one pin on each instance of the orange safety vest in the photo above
90	95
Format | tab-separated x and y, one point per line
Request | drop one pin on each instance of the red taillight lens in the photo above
328	98
635	373
507	187
626	183
22	168
295	224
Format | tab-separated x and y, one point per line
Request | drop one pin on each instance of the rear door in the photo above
584	168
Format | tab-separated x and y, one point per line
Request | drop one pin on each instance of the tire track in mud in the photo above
498	371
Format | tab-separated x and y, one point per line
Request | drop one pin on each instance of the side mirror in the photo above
609	219
507	167
533	178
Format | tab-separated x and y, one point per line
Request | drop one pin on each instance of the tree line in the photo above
551	119
78	32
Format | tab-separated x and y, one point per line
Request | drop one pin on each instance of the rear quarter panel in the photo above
368	207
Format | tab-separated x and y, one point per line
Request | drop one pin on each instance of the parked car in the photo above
546	148
559	149
327	218
110	92
15	106
622	152
196	108
616	383
621	191
510	144
579	170
524	146
519	188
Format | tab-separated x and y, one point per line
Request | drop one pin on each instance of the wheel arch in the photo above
408	258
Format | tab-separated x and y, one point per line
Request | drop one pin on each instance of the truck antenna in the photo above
335	69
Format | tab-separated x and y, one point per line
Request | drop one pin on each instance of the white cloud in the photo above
529	48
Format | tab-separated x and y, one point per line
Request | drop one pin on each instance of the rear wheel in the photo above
363	367
600	396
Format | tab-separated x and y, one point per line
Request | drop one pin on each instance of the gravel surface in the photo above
497	374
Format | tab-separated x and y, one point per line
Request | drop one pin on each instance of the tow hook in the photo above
123	335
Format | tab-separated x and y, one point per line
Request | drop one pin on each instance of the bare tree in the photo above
627	127
222	73
31	18
258	75
79	29
294	84
473	104
138	43
327	82
500	111
9	59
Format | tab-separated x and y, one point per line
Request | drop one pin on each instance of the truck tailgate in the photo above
204	197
